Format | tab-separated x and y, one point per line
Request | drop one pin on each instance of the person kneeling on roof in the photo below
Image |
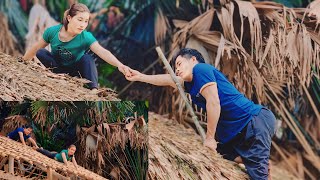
64	156
22	134
242	128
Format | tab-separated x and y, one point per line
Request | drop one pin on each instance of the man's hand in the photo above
210	143
134	75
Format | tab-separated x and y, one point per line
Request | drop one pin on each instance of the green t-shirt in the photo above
67	53
58	156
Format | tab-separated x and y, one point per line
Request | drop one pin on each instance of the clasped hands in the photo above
130	74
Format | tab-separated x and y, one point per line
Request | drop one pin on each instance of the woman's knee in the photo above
87	59
46	58
41	53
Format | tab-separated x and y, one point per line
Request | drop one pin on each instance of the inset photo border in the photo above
77	140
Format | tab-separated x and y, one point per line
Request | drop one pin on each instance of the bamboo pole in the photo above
11	165
183	95
56	175
31	172
49	173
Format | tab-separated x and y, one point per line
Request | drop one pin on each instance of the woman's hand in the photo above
125	70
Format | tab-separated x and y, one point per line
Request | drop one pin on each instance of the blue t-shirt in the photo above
15	134
236	109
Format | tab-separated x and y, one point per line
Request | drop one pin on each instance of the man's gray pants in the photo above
253	144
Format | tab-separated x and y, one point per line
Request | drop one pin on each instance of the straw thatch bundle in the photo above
20	80
39	21
39	161
7	41
100	142
13	122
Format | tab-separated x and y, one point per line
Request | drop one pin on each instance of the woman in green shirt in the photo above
69	41
64	156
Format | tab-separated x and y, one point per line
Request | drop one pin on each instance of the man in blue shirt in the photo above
22	134
242	128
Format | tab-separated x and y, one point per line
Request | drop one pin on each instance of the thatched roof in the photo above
8	44
20	152
5	175
176	152
99	147
20	80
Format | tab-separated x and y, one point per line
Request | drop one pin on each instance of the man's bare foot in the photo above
269	171
238	160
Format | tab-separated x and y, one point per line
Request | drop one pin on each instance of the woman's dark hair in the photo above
72	11
187	53
72	145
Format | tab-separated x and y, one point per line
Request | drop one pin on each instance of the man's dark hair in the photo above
187	53
27	126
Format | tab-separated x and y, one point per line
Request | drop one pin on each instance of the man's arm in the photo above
158	80
74	162
33	142
210	93
21	138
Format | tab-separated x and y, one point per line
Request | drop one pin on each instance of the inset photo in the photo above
74	140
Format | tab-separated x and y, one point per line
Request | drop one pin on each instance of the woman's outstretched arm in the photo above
33	50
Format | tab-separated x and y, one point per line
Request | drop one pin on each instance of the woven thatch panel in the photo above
20	80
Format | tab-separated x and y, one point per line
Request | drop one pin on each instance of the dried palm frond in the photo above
161	27
267	51
7	41
39	21
98	142
13	122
